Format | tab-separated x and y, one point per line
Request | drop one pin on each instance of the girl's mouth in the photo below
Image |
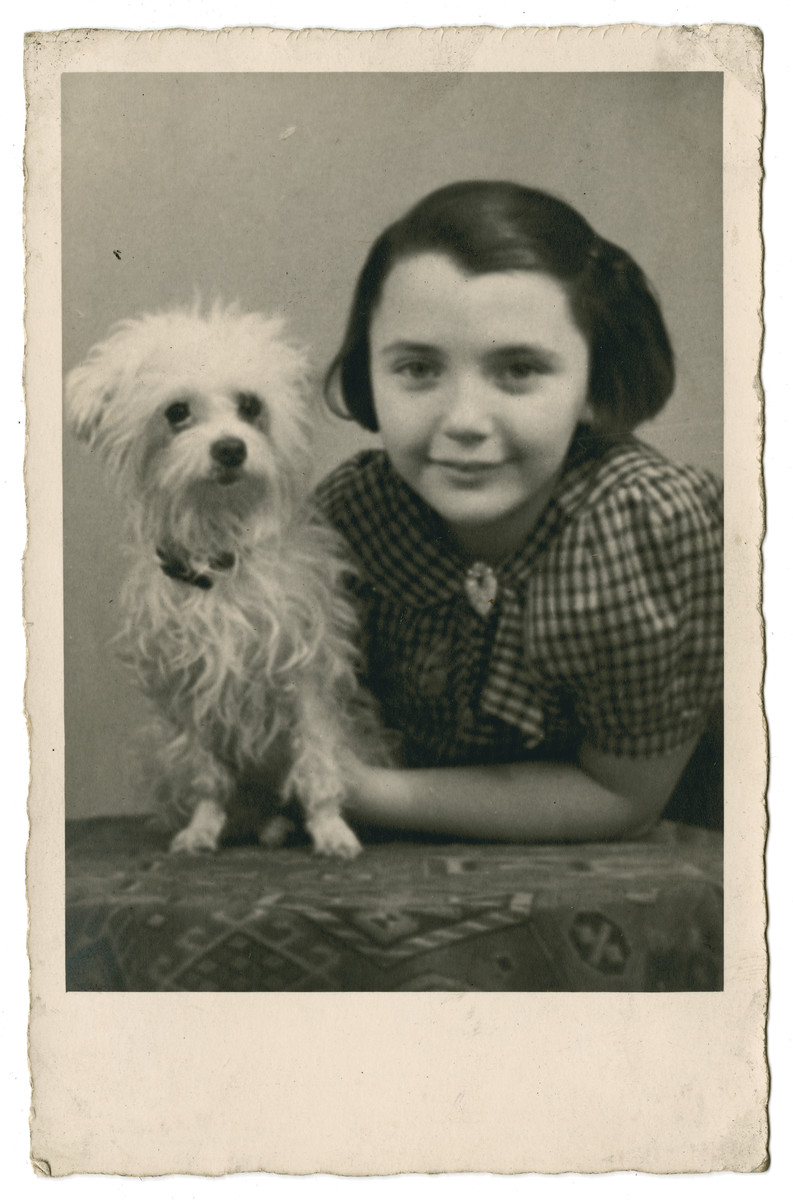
465	469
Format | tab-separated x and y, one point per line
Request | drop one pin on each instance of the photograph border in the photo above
59	1050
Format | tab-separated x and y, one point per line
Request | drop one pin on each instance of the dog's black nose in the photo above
229	452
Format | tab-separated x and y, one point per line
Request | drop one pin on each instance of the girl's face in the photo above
479	382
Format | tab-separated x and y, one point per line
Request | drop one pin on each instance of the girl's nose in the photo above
466	416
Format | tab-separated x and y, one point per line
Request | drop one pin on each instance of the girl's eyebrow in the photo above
541	353
409	347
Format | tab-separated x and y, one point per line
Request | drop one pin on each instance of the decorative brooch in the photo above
481	588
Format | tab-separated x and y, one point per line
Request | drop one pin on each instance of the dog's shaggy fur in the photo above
236	619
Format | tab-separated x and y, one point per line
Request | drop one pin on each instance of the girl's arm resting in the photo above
602	797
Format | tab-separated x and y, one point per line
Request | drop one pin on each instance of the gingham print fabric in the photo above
607	625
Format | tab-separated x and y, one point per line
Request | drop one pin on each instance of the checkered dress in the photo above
606	627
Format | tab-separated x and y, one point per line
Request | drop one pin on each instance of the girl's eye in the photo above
249	405
518	374
519	370
417	370
177	413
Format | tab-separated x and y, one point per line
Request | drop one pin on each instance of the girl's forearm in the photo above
528	802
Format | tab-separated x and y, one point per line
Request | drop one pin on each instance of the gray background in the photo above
270	188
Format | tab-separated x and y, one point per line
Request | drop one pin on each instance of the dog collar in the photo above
178	568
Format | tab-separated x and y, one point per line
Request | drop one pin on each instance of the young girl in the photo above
541	591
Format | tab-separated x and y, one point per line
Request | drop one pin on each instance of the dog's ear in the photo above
90	389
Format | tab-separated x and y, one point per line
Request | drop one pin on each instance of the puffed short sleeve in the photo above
631	626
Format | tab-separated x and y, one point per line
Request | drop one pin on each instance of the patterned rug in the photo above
404	916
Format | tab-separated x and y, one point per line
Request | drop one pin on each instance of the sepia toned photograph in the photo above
446	584
393	485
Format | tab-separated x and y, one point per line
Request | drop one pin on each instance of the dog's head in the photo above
196	411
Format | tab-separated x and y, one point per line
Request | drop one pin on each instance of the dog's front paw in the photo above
202	835
333	837
194	841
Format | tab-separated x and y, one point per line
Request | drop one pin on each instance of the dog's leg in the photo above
203	832
331	834
316	778
208	787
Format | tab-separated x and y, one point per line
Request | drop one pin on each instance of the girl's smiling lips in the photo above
468	469
465	464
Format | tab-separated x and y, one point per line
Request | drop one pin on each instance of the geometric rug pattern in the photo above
403	916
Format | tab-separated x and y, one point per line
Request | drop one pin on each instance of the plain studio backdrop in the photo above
269	189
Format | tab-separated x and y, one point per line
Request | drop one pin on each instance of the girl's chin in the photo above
475	506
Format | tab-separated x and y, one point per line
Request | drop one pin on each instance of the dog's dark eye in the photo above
178	412
249	405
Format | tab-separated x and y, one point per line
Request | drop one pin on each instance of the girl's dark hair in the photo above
488	226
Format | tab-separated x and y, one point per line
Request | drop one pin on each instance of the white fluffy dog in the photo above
235	614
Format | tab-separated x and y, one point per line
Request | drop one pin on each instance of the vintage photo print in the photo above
394	519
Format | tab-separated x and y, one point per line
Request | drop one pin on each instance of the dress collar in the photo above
407	552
